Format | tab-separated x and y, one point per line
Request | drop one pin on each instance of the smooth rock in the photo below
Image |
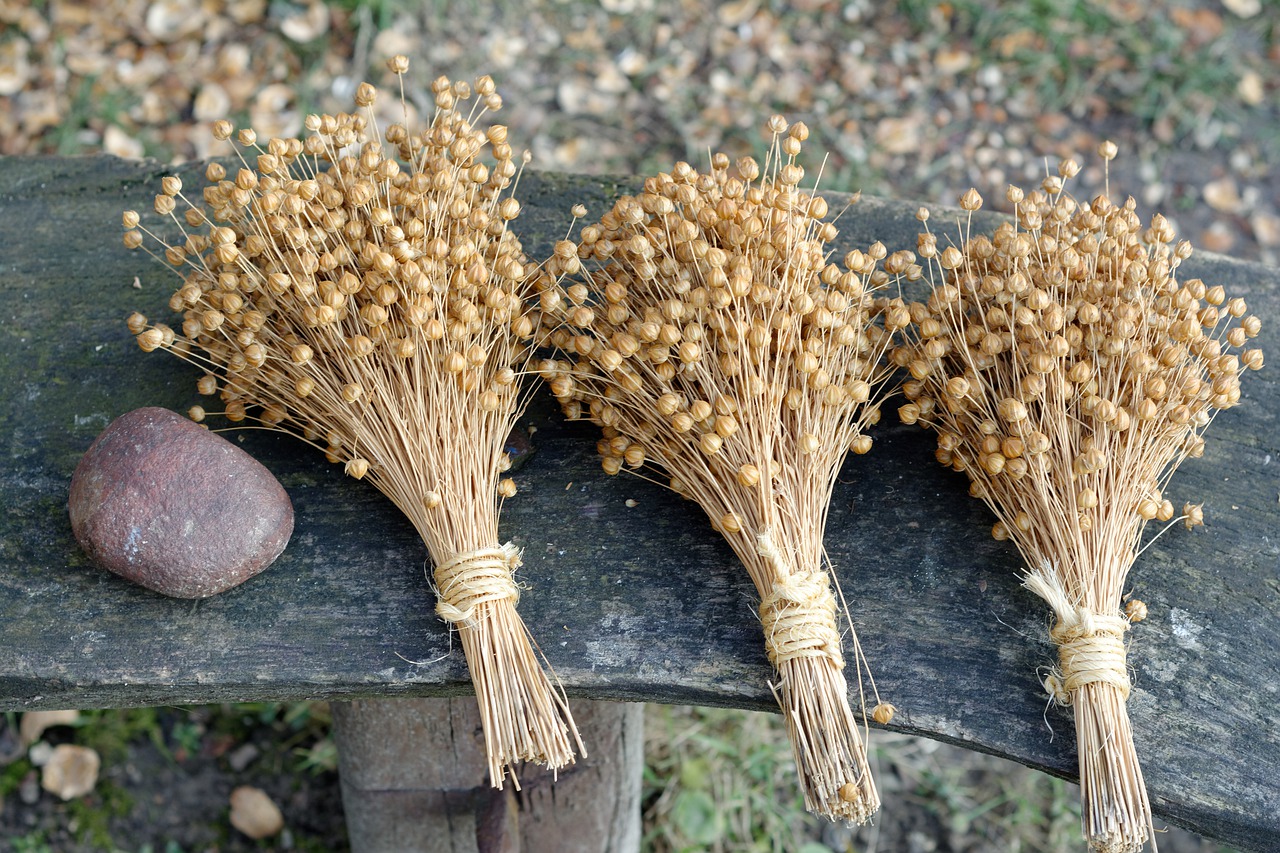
170	505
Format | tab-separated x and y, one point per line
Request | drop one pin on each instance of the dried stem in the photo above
379	308
1068	372
712	338
830	756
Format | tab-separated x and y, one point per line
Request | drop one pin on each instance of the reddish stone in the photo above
170	505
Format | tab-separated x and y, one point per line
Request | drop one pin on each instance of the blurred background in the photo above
920	100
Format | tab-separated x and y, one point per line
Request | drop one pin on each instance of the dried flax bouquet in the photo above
711	338
373	300
1067	371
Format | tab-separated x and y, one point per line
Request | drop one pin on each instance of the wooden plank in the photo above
628	602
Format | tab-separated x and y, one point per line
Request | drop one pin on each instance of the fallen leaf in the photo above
274	112
739	12
247	11
620	7
951	61
254	814
1266	228
391	42
1202	25
1218	237
1243	8
116	141
211	103
15	69
35	722
1222	194
170	20
1250	88
577	96
898	135
308	24
71	771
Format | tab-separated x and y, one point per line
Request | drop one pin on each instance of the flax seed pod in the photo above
757	367
1127	364
348	295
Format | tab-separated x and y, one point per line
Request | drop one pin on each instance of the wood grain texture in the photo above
638	603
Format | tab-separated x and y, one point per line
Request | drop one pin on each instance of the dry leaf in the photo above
623	7
308	24
1251	89
577	96
15	70
274	112
951	61
116	141
1218	237
1223	195
211	103
247	11
1202	25
254	814
1266	228
739	12
35	722
1243	8
170	20
71	771
898	135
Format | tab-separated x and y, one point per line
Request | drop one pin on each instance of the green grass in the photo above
92	107
719	779
1090	56
32	842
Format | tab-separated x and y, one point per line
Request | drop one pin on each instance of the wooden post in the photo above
414	780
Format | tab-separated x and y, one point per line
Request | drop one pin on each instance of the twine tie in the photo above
799	612
1090	645
799	618
473	578
1090	650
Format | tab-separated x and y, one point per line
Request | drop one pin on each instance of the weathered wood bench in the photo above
630	594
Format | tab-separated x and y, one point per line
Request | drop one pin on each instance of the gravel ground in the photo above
921	100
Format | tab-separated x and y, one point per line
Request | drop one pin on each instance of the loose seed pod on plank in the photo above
711	337
1068	372
374	301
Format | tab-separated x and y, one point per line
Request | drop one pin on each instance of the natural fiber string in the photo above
1090	649
798	613
469	580
1090	645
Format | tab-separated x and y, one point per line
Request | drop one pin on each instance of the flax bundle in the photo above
712	339
377	306
1068	372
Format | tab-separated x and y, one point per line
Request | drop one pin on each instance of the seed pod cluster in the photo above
712	302
1065	368
369	295
709	336
1067	371
324	270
